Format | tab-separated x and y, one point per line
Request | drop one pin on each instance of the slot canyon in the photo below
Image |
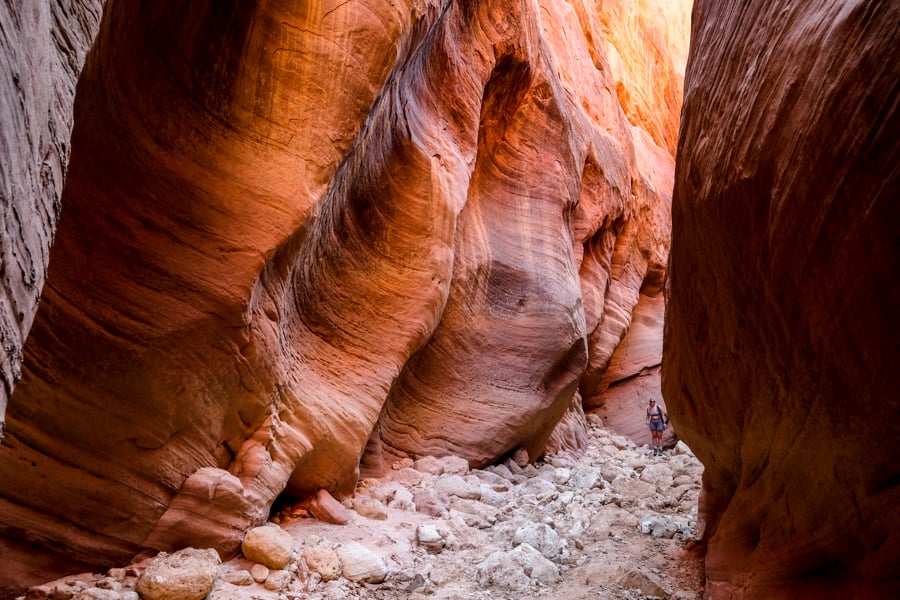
389	284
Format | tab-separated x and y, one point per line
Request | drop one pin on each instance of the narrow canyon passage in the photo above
431	259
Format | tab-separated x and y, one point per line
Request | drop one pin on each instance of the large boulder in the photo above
780	347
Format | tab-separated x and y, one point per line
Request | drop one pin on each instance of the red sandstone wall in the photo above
290	231
781	332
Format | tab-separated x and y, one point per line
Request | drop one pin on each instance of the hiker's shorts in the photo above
656	425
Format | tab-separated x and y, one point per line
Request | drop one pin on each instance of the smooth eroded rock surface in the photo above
781	328
302	241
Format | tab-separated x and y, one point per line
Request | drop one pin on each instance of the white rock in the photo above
371	508
97	594
360	564
561	476
535	487
188	574
403	500
665	526
429	538
542	538
516	570
493	498
269	545
682	448
502	471
585	478
454	485
492	480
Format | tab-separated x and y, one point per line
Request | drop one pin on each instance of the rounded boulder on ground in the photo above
268	545
188	574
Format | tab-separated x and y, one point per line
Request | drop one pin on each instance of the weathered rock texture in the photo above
42	49
292	232
781	334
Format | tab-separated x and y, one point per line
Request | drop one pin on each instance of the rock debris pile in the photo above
616	522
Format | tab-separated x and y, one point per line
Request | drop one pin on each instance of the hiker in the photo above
656	421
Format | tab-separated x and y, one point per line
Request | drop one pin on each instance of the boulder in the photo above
361	564
324	561
269	545
188	574
516	570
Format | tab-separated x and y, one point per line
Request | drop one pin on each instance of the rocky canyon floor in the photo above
614	522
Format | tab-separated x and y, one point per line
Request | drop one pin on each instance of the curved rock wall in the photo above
291	233
781	332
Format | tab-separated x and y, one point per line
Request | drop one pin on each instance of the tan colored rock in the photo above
187	574
323	561
269	545
259	572
631	577
370	508
781	328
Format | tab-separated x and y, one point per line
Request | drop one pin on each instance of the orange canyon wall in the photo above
300	237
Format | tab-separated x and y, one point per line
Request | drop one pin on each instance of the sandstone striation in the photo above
293	236
42	49
781	330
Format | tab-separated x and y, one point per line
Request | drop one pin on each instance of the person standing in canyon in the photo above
656	421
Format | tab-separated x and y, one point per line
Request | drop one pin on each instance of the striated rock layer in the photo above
294	234
42	49
781	334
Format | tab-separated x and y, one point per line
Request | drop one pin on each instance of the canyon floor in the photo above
615	522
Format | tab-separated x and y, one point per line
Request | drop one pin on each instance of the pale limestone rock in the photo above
324	561
430	465
430	503
516	570
187	574
454	465
429	538
542	538
360	564
407	476
371	508
454	485
96	593
495	481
